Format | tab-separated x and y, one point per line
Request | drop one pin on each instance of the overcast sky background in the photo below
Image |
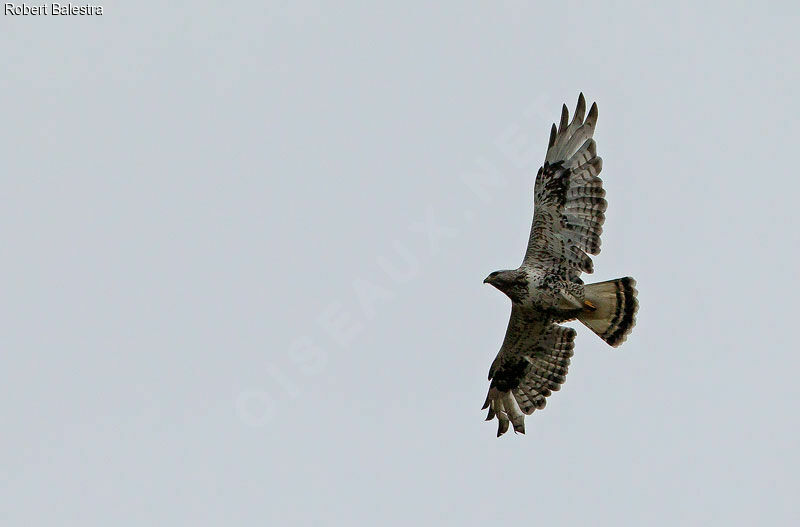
243	247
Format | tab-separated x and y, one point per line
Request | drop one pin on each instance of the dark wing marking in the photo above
569	200
532	363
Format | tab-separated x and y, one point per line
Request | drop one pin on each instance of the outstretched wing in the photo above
569	200
531	364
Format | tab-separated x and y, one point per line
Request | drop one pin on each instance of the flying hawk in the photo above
547	289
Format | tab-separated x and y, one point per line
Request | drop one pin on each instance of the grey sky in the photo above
243	251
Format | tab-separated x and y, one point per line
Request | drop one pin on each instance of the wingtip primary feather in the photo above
564	118
591	119
502	425
580	109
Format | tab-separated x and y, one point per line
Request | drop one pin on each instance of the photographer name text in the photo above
51	9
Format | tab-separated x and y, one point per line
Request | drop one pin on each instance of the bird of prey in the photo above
569	202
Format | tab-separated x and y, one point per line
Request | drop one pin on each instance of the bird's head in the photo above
513	283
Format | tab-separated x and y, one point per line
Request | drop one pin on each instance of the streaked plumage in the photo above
569	206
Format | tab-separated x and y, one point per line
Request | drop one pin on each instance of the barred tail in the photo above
610	309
